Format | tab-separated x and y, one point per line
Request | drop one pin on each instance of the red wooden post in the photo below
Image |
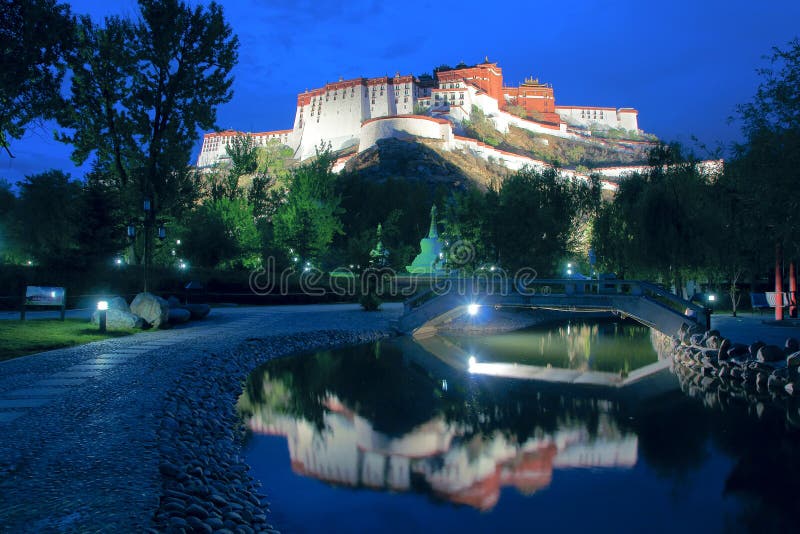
778	284
792	290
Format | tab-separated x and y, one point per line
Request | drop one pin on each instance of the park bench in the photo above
40	296
766	301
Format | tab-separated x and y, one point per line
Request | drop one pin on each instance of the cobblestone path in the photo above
78	426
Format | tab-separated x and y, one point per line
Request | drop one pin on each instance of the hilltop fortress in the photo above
352	115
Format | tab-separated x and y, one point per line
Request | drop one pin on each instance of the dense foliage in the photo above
141	89
35	37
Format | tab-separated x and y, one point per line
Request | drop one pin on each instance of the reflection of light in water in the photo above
350	451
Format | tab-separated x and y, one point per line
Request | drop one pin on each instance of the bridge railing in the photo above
555	287
418	299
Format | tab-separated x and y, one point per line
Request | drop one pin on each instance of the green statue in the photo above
431	258
379	256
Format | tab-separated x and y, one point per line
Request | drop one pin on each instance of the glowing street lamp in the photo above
472	309
102	308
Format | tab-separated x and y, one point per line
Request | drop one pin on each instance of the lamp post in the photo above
102	308
147	222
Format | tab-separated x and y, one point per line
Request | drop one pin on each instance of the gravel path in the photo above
141	433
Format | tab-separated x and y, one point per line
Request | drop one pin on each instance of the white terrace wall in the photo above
404	127
589	116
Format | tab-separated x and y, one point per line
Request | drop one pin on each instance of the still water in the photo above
389	437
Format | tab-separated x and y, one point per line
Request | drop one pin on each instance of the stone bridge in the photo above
645	302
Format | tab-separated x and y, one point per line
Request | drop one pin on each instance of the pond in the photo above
390	437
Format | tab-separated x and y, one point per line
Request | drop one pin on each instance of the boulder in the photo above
118	319
713	333
119	303
179	315
792	345
712	342
724	348
769	353
198	311
753	348
174	302
738	349
793	360
152	309
696	339
696	329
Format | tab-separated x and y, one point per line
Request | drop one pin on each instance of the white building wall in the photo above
333	117
403	128
503	120
628	119
589	117
214	146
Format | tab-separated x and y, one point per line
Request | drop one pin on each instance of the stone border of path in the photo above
88	458
205	482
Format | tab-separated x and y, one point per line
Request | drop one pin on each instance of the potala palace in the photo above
352	115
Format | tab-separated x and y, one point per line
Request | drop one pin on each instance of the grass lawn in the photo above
19	338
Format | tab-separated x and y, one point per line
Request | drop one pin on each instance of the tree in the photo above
470	217
309	219
223	235
141	89
662	223
48	218
35	35
102	227
244	160
767	166
7	201
536	215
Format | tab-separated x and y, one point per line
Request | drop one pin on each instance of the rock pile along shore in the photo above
720	371
205	482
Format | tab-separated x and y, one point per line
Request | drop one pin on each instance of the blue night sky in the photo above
684	65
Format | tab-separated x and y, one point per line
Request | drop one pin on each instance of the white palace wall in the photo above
357	113
404	127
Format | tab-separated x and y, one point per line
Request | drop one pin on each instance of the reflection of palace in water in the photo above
437	453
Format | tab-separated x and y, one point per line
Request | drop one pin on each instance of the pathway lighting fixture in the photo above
182	265
117	261
29	262
471	362
177	241
712	298
102	307
472	309
147	222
